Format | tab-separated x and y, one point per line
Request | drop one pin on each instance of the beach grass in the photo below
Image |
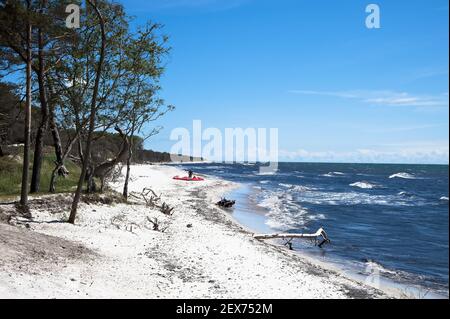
11	175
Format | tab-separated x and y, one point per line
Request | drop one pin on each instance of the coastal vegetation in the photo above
76	102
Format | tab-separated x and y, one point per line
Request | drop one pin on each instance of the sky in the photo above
336	90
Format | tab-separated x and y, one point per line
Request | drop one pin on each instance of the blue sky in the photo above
336	90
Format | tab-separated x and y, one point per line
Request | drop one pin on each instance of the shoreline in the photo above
203	253
250	213
387	286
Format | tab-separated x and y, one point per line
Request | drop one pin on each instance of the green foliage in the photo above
11	175
129	84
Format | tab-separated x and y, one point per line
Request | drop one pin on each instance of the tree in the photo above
88	81
73	84
92	115
144	52
48	35
133	61
27	136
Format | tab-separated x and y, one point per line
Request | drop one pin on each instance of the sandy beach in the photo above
113	252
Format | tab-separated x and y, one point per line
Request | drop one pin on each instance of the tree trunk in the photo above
91	186
39	143
60	156
130	155
60	169
92	116
80	149
127	176
27	135
102	170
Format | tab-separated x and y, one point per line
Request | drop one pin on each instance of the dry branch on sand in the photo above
157	225
151	200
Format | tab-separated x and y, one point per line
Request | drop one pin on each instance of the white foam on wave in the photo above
333	174
444	198
364	185
316	217
402	175
357	198
372	266
296	188
264	182
264	173
283	213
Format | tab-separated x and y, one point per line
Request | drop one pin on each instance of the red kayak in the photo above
186	178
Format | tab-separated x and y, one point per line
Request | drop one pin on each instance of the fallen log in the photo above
320	233
226	203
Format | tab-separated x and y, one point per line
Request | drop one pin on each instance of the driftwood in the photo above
320	233
157	225
153	200
166	209
150	200
226	203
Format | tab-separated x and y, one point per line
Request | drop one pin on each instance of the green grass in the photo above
11	176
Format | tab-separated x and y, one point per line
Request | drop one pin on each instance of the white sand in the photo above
213	258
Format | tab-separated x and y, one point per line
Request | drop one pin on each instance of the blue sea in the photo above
392	219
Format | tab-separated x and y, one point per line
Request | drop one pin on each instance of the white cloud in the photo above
388	98
405	128
423	153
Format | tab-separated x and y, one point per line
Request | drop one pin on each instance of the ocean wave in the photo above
444	198
258	173
406	194
373	267
296	188
356	198
284	213
302	194
413	285
316	217
364	185
402	175
264	182
333	174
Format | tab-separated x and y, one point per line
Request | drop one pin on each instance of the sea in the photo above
388	223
